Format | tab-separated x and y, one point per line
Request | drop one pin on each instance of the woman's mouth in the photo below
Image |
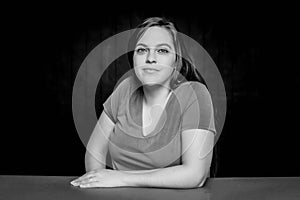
150	71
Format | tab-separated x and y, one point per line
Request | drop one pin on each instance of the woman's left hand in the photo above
100	178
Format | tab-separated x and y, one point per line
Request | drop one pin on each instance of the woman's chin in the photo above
148	83
149	80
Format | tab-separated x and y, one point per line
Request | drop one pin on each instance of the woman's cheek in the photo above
139	60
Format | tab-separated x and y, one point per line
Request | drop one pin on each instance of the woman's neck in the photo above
155	94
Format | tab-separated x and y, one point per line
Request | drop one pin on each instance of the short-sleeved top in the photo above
188	106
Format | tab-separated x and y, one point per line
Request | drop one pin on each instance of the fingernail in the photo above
74	183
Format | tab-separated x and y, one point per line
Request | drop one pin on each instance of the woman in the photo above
157	126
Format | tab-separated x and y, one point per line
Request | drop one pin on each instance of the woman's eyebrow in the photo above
158	45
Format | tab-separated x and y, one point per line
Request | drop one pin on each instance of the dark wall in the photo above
44	52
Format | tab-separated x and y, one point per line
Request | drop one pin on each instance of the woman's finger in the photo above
75	181
87	180
86	177
82	178
90	184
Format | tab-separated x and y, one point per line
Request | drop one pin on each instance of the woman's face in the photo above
154	57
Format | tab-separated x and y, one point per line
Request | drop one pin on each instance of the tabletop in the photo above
59	187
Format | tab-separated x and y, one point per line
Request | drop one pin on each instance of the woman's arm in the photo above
97	148
179	176
197	147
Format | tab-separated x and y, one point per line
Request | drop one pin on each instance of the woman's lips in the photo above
149	68
150	71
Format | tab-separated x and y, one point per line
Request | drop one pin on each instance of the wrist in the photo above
126	178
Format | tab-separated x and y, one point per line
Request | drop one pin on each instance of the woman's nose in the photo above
151	58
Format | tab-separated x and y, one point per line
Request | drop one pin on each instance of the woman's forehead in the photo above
156	35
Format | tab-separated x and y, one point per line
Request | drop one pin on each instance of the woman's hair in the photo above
183	62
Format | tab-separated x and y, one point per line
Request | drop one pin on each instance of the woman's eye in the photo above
141	50
163	51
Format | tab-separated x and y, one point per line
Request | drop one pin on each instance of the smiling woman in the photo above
154	59
158	125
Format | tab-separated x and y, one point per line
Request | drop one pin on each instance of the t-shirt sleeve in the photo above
111	105
198	113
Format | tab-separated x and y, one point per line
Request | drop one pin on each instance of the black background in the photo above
253	47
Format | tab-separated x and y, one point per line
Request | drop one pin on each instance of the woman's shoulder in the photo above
189	88
122	86
191	91
124	82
